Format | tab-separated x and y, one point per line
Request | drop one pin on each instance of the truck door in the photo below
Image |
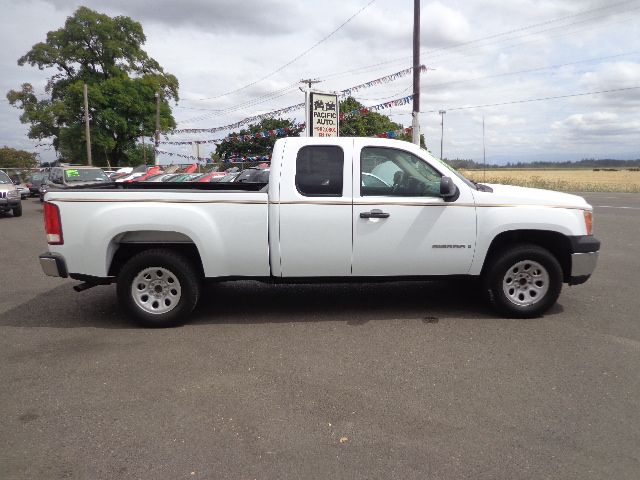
315	211
401	224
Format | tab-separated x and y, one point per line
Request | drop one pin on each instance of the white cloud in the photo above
596	126
499	121
442	25
251	17
612	75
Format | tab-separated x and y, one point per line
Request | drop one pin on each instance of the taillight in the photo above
52	224
588	221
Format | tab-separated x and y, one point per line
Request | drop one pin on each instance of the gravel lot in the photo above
407	381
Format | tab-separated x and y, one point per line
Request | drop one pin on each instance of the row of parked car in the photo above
258	174
66	176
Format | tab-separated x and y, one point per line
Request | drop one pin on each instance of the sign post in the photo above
324	114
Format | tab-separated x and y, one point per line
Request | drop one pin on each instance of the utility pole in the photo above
86	124
415	121
309	82
155	152
484	152
144	150
441	112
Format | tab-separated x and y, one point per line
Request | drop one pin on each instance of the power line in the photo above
249	103
439	52
562	33
548	22
433	54
296	58
383	80
529	100
532	70
499	75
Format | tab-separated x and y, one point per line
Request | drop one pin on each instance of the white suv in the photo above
9	196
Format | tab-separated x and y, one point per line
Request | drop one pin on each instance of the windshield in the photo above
454	171
85	175
4	178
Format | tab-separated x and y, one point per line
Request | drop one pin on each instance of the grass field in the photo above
565	180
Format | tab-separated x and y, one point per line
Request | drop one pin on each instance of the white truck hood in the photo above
508	194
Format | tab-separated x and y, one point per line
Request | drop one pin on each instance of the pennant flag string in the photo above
343	94
241	122
380	81
390	104
181	155
394	133
236	159
278	132
284	131
389	134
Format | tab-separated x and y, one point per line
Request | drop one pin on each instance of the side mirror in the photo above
448	190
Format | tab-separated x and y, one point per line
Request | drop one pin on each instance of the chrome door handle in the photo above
375	213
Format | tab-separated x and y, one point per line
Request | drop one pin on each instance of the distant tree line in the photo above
585	163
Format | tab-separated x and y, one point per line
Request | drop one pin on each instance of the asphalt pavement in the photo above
415	380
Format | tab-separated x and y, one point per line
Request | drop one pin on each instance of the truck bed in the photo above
227	187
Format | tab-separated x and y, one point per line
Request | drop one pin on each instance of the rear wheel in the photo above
159	287
17	211
524	281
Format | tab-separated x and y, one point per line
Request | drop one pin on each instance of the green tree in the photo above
363	125
255	147
13	158
368	124
122	81
136	155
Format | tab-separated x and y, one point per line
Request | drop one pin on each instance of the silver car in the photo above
24	191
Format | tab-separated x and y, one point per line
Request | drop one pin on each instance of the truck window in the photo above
319	171
393	172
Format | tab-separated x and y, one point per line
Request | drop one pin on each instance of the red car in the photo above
208	176
152	171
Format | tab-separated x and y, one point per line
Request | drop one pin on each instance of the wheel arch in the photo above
126	245
556	243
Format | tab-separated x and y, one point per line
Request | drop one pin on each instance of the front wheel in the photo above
524	281
17	211
159	287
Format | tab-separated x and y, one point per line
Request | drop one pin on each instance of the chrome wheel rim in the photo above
526	283
156	290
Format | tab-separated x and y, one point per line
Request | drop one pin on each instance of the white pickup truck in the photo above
335	209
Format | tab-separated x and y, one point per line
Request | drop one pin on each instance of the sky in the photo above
489	61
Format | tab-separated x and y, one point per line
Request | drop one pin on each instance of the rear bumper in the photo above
584	258
53	265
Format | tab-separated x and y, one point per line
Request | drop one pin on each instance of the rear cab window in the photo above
319	171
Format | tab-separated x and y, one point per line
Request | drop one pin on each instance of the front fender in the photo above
495	220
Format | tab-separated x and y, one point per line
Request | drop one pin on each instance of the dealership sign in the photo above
324	115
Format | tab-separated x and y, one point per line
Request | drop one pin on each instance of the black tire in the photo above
523	281
17	211
178	275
